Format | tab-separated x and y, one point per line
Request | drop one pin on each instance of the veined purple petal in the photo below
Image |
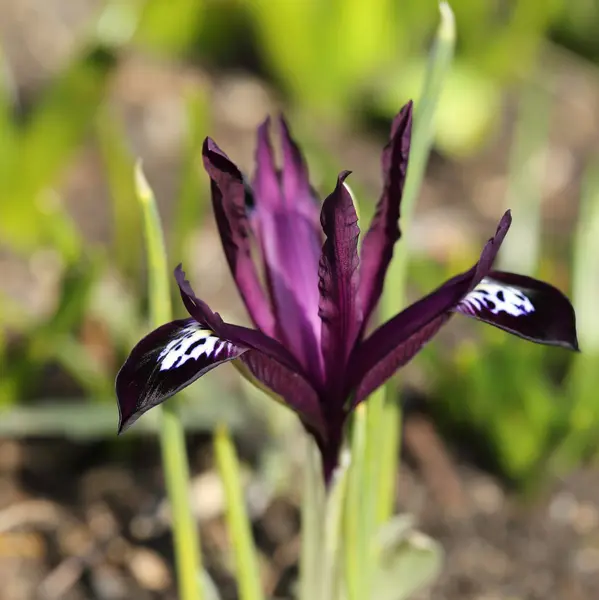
291	246
397	341
266	184
524	306
166	361
292	388
228	200
237	334
297	190
267	360
339	309
377	247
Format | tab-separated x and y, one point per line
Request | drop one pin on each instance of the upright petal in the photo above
338	281
297	190
397	341
166	361
377	247
524	306
291	247
228	200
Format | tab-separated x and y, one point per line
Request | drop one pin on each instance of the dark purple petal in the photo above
524	306
397	341
166	361
291	247
242	336
377	247
266	184
296	184
267	359
338	281
294	390
228	200
197	308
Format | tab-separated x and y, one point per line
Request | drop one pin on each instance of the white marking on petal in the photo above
496	298
190	343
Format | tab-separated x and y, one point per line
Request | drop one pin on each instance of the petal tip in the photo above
343	176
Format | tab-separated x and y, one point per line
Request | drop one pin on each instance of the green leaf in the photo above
172	435
408	561
126	215
238	522
46	142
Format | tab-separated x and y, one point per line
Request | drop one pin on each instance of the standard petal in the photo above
228	200
524	306
397	341
297	190
339	309
377	247
290	245
266	184
166	361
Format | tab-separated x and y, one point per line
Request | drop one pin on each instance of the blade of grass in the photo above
172	433
312	520
584	378
126	216
524	191
191	201
385	427
358	527
46	142
238	522
332	584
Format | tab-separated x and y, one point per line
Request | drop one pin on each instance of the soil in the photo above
82	521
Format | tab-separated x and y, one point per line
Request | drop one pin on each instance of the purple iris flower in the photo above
311	298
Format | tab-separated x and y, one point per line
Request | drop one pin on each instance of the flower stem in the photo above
172	433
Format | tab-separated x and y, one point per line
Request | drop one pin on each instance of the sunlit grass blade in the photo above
310	567
172	434
525	190
238	522
191	200
79	419
394	296
126	215
581	438
358	525
332	580
46	142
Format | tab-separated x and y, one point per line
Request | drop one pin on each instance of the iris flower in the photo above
313	293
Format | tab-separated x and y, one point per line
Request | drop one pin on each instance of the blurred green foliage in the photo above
532	408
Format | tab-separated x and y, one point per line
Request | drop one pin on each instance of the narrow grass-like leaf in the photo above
313	508
238	522
332	580
126	214
46	141
80	419
359	510
172	434
191	200
394	296
583	380
525	190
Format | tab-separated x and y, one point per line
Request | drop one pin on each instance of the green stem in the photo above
172	433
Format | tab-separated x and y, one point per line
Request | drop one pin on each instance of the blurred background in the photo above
500	440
